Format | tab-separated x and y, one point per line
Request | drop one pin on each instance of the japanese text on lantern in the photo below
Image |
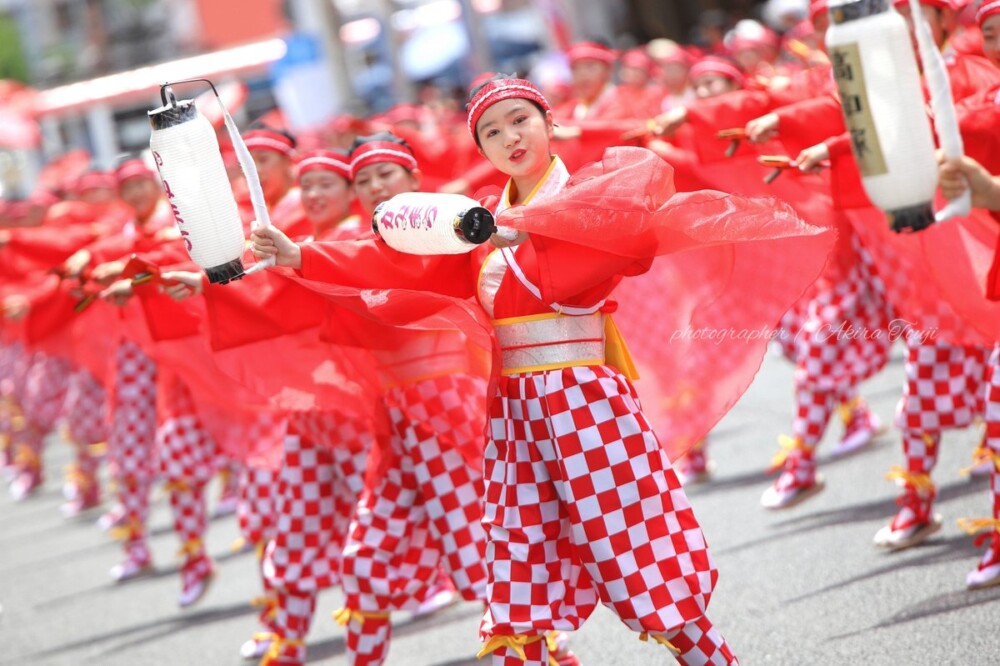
409	217
850	76
185	234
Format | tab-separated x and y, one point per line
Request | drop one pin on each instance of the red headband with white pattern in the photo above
376	152
263	139
324	160
499	90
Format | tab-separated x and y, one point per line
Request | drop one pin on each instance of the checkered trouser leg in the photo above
187	502
368	641
188	453
921	451
85	412
423	512
992	414
45	391
229	477
943	389
582	505
85	408
14	364
701	644
451	490
294	614
133	431
812	413
256	509
317	491
837	344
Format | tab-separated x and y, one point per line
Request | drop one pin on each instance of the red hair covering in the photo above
987	10
716	66
940	4
324	160
817	7
638	59
665	51
266	139
377	152
591	51
93	180
133	168
750	34
499	90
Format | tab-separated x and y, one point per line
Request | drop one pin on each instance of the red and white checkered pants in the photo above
992	414
132	440
421	516
14	364
318	489
582	506
256	510
837	337
844	336
189	458
86	414
44	393
86	408
944	386
425	511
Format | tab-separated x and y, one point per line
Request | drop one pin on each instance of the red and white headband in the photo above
376	152
716	67
132	169
95	179
591	51
324	160
263	139
499	90
987	10
940	4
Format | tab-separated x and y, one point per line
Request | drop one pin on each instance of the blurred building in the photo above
97	64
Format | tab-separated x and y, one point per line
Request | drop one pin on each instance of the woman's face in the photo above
991	39
274	171
514	136
141	194
381	181
590	77
326	197
712	85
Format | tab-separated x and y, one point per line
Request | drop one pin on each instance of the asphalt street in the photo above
799	587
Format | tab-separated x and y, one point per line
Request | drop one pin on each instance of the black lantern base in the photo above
224	273
477	225
913	218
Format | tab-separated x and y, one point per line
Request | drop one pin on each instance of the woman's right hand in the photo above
763	129
180	285
270	241
958	175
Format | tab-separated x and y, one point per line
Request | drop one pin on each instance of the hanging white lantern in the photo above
883	103
194	176
431	223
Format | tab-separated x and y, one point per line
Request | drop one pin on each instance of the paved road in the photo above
802	587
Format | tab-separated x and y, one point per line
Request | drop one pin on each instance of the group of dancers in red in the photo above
418	428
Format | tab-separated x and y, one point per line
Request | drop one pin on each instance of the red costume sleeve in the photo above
810	121
371	264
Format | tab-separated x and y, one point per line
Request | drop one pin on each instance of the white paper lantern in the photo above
884	107
430	223
187	155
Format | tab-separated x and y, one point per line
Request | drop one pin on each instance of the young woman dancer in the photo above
581	505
